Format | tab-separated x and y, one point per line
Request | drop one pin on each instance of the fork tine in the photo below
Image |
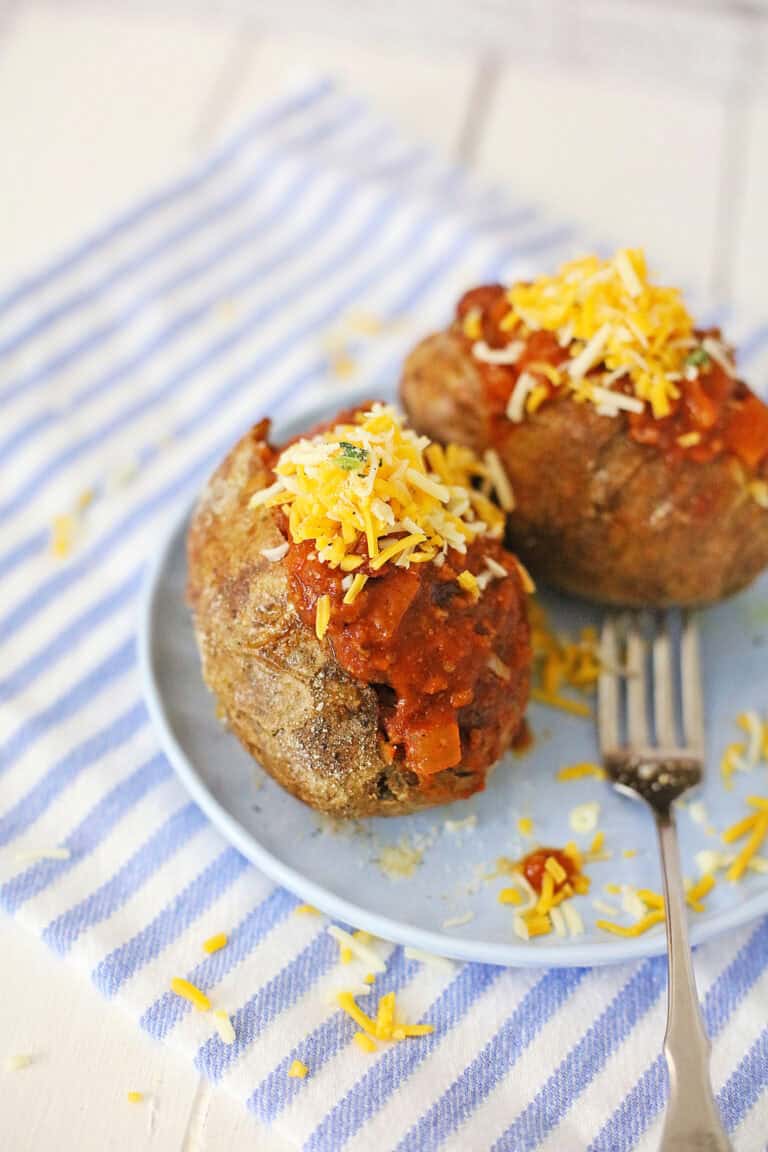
693	708
637	724
608	687
663	684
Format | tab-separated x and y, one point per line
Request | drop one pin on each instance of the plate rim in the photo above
511	955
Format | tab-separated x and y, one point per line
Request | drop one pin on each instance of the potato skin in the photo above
311	725
597	515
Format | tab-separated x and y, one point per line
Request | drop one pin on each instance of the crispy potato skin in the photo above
307	721
597	515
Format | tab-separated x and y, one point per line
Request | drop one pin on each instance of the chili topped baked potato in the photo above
358	617
638	458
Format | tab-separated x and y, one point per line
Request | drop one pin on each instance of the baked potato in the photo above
356	704
628	489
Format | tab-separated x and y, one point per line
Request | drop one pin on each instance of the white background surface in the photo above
645	123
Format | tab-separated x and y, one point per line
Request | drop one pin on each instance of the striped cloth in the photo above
128	367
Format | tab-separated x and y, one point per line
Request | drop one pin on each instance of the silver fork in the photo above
649	688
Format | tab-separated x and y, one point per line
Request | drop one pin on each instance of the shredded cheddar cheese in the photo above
215	943
580	771
468	582
189	992
375	481
555	870
561	662
135	1097
322	615
510	896
615	321
636	929
755	828
298	1070
63	534
385	1026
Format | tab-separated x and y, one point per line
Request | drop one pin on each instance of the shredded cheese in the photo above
468	582
189	992
322	615
18	1062
527	580
619	326
755	827
224	1026
358	583
215	943
555	870
277	553
385	1026
135	1097
35	855
499	480
298	1070
637	929
364	1041
458	921
509	354
580	771
374	485
428	958
63	534
524	386
360	949
573	921
583	818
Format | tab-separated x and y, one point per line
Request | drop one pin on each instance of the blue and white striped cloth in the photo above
128	367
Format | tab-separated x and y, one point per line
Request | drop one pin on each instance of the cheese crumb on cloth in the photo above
127	880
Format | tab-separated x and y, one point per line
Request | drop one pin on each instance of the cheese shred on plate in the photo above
753	829
372	490
620	328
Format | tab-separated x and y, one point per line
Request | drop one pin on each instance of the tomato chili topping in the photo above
602	333
440	660
395	559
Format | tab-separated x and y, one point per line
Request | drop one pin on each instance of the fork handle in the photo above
692	1121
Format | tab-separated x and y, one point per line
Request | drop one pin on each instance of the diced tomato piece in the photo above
747	432
435	748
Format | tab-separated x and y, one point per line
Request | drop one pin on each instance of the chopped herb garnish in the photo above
351	457
697	359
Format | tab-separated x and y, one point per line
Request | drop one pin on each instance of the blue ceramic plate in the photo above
446	905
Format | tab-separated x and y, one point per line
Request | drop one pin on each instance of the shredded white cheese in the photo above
428	958
459	921
572	919
590	354
524	385
358	948
224	1026
499	479
275	554
583	818
34	855
509	354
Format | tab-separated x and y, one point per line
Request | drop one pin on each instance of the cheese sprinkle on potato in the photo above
613	319
373	492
